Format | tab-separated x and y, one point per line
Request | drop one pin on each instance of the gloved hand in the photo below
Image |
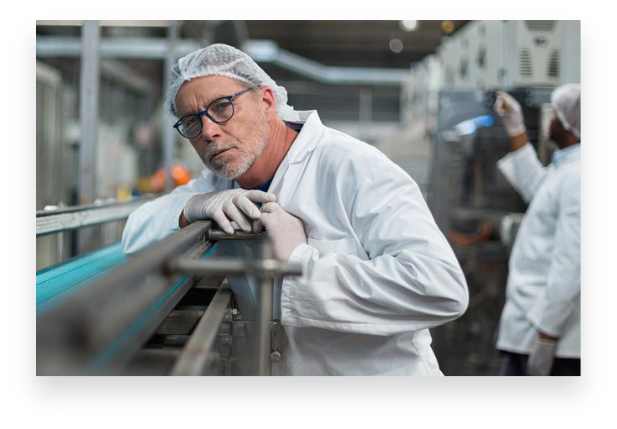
541	357
235	204
511	113
285	231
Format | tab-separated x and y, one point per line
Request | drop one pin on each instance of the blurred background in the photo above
420	91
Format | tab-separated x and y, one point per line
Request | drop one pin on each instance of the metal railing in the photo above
99	329
70	218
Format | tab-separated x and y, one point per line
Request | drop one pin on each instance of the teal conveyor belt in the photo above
56	283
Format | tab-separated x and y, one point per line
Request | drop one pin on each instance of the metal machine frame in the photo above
102	328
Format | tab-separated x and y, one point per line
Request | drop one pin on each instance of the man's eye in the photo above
221	106
190	121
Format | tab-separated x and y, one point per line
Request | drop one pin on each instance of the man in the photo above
539	331
377	271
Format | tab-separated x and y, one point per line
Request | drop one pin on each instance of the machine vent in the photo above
553	63
481	59
464	67
546	26
525	62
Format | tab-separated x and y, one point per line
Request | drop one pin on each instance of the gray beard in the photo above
242	164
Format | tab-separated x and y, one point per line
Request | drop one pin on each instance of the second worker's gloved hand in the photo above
511	113
285	231
235	204
541	357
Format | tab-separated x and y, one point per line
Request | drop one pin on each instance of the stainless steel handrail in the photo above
93	322
97	330
69	218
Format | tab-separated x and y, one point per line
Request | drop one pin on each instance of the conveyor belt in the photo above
100	314
95	311
56	283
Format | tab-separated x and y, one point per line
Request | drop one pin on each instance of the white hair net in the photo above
566	101
224	60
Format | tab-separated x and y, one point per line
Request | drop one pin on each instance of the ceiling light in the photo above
409	25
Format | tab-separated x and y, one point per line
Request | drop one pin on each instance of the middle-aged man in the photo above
377	271
540	328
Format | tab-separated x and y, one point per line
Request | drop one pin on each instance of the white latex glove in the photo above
235	204
285	231
541	357
511	113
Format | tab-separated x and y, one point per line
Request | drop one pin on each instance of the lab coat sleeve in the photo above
523	170
550	313
410	281
157	219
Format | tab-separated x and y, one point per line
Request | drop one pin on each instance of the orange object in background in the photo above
180	175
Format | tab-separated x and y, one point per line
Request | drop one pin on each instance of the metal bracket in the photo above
276	330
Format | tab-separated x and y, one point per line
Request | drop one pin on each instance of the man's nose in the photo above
210	129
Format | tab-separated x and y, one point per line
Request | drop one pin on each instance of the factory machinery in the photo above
449	123
167	311
479	212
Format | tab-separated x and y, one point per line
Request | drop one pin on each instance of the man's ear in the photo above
269	100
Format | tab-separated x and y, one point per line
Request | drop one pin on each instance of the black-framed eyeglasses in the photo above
219	111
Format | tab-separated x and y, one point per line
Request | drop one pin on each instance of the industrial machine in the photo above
479	212
509	54
449	124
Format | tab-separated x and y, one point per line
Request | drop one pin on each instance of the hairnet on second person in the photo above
566	101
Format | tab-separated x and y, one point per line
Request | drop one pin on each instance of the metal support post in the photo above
168	132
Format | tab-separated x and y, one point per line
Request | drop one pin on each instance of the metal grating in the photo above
553	63
525	62
546	26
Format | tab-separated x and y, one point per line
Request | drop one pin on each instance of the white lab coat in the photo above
544	283
378	273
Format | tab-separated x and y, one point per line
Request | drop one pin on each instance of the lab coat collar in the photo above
304	144
308	138
560	156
